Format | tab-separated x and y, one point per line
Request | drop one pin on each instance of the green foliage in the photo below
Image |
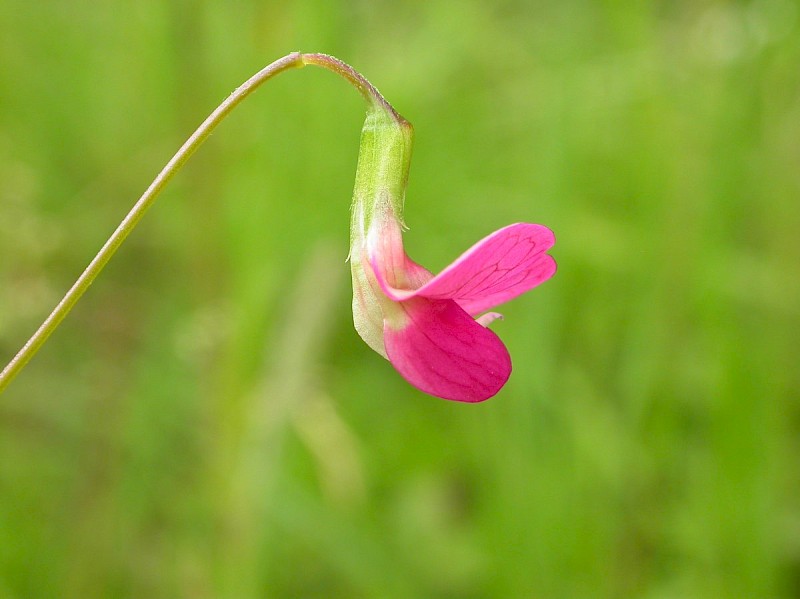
206	423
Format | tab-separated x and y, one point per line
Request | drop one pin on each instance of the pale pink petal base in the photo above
443	351
486	319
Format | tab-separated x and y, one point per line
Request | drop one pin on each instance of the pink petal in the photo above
498	268
441	350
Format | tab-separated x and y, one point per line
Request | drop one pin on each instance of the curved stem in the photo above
356	79
293	60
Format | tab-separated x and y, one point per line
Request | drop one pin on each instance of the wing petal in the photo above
443	351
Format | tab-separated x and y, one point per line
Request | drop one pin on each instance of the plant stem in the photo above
293	60
356	79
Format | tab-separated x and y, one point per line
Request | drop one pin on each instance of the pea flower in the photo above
429	327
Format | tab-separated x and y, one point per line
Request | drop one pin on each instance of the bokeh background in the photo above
206	423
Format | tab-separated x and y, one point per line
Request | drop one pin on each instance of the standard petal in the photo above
498	268
441	350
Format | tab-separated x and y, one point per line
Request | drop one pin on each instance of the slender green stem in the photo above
293	60
356	79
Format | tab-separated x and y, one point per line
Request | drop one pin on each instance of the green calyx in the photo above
384	159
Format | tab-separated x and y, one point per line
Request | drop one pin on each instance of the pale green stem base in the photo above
293	60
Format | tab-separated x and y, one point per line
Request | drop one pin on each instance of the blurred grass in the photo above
207	424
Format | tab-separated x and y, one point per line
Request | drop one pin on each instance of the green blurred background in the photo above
206	423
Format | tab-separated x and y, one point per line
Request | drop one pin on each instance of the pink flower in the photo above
425	324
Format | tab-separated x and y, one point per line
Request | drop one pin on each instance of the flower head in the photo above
426	325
